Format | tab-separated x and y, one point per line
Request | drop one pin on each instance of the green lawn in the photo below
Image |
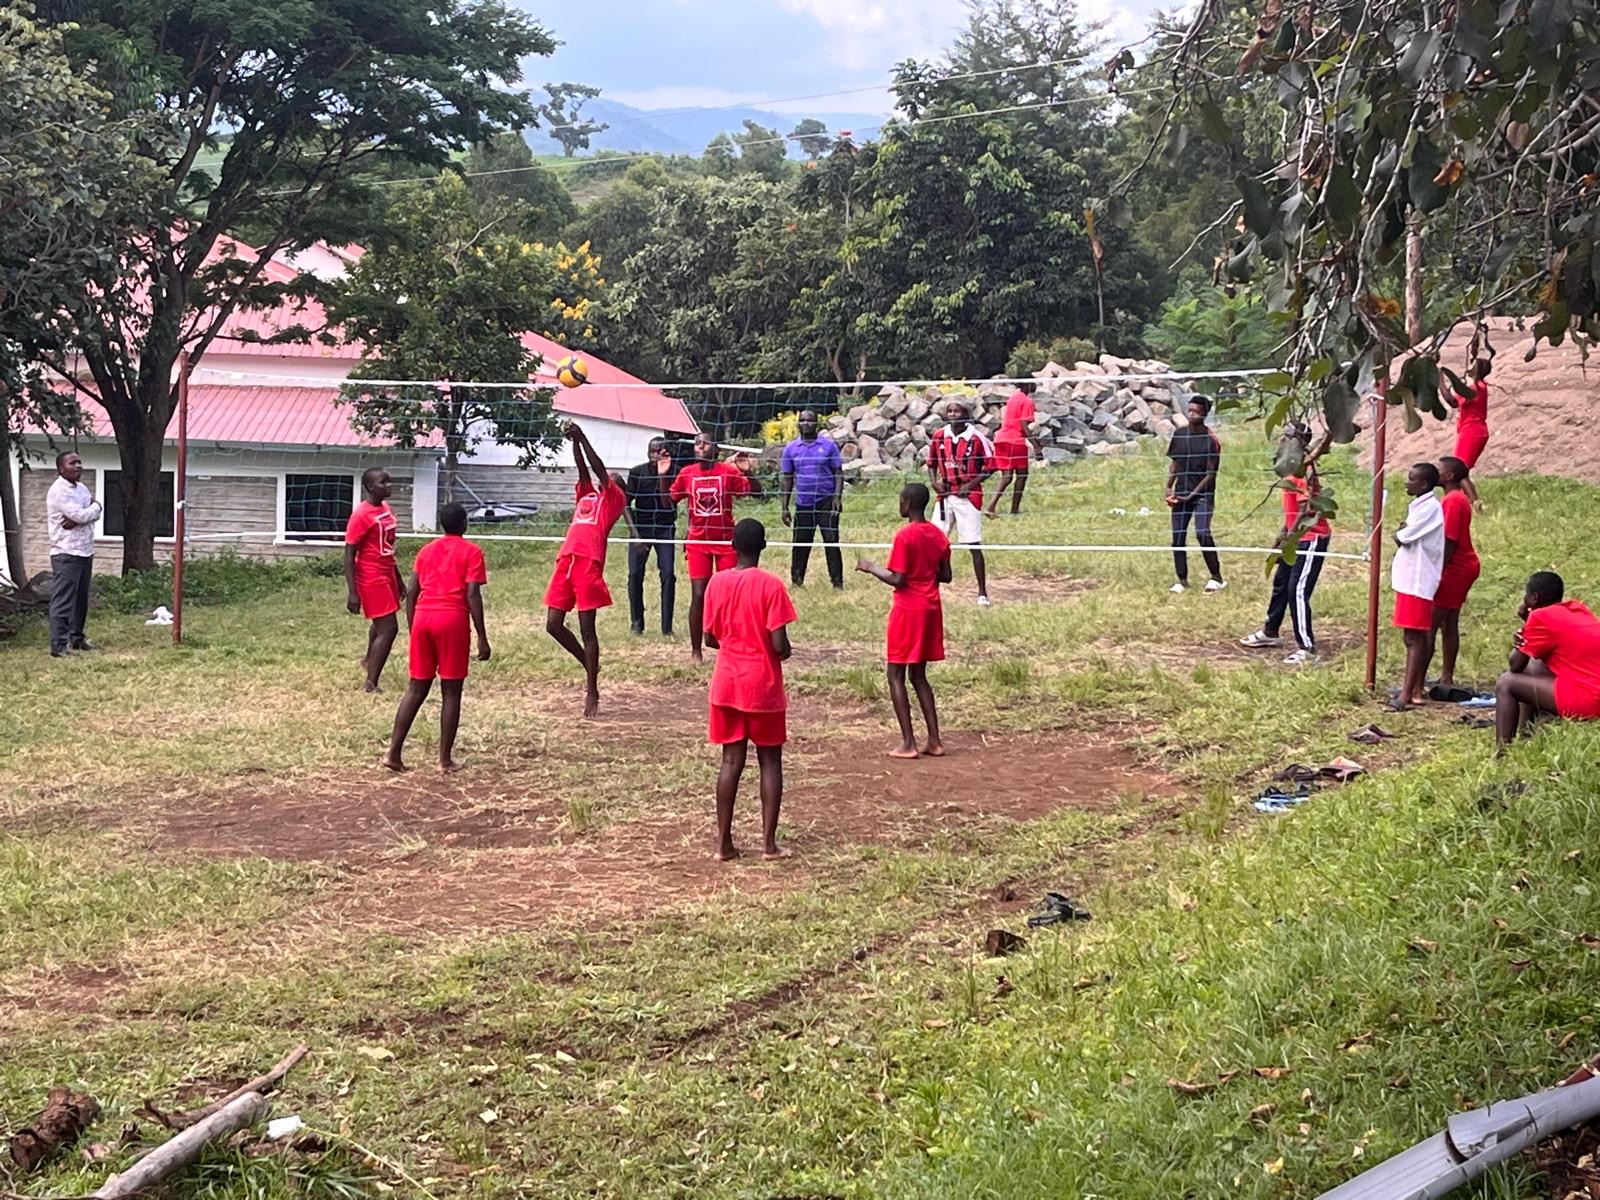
529	980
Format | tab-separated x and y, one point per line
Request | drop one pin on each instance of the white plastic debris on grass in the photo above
161	616
284	1127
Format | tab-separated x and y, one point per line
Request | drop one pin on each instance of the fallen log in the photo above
172	1156
260	1084
64	1118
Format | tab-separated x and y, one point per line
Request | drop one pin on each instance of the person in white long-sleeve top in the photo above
1418	564
70	515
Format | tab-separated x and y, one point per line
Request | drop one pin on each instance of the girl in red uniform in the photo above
1013	448
371	574
1472	424
1461	566
1555	661
918	563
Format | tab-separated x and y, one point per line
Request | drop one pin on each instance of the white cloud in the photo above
878	33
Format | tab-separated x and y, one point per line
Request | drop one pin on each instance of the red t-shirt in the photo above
741	608
1566	637
960	458
1296	494
1020	410
444	568
593	519
710	492
1474	408
919	549
1458	527
371	530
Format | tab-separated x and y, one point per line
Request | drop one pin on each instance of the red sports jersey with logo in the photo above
595	515
371	530
710	491
960	458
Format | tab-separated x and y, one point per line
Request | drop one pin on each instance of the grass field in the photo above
530	980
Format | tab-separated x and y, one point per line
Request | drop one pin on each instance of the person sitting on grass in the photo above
1555	662
747	615
1292	585
446	592
1460	570
371	574
579	578
919	562
1418	564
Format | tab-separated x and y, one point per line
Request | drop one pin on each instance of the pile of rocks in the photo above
1078	414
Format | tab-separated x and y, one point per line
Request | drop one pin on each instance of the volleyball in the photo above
572	371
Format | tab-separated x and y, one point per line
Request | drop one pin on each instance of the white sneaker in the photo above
1215	585
984	602
1301	658
1178	589
1260	640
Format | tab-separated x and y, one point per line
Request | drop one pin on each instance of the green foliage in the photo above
812	136
1205	329
225	578
544	205
563	113
1028	357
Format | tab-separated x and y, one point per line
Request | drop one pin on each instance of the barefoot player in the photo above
709	486
1555	662
370	572
1461	566
747	614
579	579
919	562
1013	447
445	594
1418	563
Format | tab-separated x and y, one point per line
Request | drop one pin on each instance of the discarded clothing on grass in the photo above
1059	909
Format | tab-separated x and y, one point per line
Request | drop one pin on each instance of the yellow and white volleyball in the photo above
572	371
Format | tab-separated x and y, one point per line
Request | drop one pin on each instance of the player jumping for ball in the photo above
919	562
579	578
710	487
370	572
747	615
445	593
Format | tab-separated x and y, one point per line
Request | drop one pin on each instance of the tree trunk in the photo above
12	524
1413	277
141	482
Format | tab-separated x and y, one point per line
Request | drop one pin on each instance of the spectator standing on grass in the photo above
70	516
1293	584
1460	569
959	460
1196	456
919	562
1555	661
1418	564
1013	447
655	522
371	572
748	612
446	593
813	475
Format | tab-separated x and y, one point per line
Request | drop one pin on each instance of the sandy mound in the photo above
1542	414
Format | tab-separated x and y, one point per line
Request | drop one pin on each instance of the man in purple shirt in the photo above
813	478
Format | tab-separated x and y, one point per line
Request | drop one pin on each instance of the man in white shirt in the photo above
70	515
1418	564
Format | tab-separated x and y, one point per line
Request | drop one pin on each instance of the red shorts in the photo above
378	599
1454	586
705	561
1576	702
441	644
578	583
730	726
1412	612
1470	441
915	635
1010	456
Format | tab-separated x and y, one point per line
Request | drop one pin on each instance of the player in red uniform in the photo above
1461	567
1013	447
445	594
1555	662
919	562
748	612
579	579
710	487
959	460
371	573
1472	423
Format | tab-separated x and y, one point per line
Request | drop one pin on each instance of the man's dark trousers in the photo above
69	601
808	518
660	540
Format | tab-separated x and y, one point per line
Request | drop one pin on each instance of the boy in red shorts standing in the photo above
747	614
919	562
710	487
371	573
1555	663
1461	567
579	580
1418	564
445	593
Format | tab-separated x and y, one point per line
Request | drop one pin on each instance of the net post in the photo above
180	516
1380	431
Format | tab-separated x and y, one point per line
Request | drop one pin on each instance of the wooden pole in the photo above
1380	431
181	489
179	1152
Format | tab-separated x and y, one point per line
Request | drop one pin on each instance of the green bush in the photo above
216	579
1028	357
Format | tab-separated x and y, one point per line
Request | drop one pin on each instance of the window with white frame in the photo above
111	499
317	506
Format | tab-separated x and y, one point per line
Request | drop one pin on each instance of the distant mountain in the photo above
687	131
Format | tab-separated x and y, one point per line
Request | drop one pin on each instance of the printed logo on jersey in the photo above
588	510
706	496
386	533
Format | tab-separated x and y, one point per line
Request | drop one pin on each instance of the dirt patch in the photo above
1223	652
1571	1163
70	989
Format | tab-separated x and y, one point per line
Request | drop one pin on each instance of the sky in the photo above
687	53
